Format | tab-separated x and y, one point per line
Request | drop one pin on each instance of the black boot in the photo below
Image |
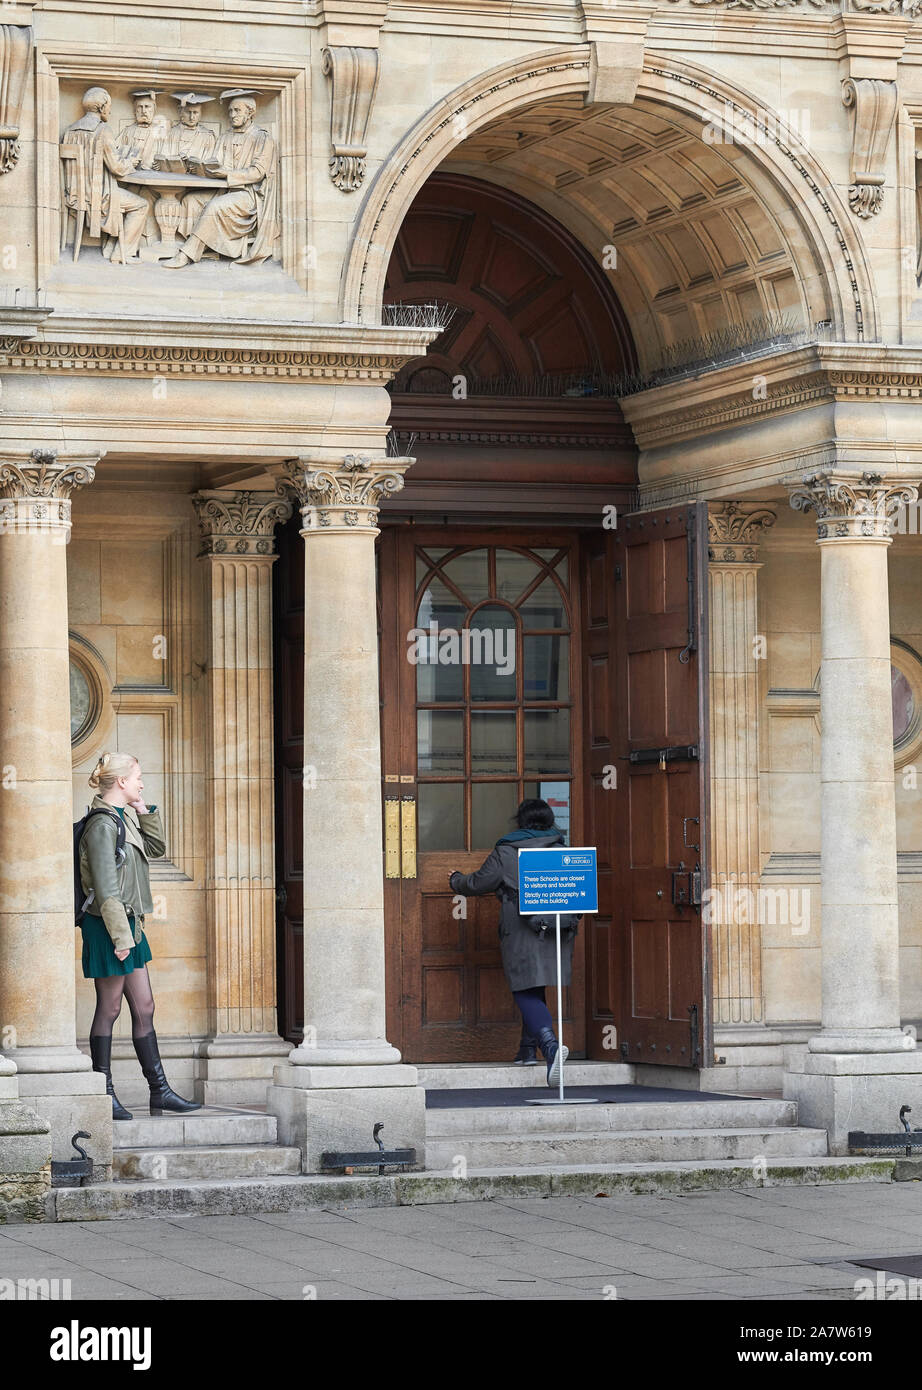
555	1054
527	1055
161	1097
101	1053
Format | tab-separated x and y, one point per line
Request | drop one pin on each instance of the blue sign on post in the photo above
562	879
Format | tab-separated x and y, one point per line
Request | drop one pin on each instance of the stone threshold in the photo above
137	1200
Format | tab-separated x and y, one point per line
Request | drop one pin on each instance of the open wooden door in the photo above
645	697
463	742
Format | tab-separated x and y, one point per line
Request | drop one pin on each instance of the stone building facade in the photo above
462	281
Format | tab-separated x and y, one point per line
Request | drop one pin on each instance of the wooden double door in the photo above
567	665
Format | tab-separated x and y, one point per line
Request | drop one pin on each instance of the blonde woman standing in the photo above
115	949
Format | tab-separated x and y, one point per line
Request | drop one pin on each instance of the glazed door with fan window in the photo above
478	672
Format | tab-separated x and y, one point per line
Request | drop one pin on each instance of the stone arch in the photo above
782	173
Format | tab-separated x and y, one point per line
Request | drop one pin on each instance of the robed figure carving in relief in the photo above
93	166
247	157
219	193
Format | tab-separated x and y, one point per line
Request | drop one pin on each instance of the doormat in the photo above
910	1265
616	1095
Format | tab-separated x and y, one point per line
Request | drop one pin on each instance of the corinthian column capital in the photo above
342	496
239	523
734	532
852	506
35	488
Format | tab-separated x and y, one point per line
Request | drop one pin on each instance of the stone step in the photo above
516	1120
209	1127
537	1150
238	1196
204	1161
477	1076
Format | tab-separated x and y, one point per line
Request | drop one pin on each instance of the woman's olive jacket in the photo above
116	888
529	958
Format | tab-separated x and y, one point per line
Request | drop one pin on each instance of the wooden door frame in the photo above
397	590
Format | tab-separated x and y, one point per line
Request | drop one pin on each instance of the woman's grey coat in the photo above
528	959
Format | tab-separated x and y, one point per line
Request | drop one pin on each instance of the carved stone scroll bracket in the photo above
239	523
341	496
353	74
734	532
852	506
15	61
874	103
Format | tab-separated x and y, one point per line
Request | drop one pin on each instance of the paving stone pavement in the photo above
782	1243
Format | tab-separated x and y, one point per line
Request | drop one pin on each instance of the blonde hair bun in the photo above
108	769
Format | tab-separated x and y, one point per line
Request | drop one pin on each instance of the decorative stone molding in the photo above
353	74
851	506
827	5
734	532
568	70
803	376
239	523
912	8
35	494
344	496
874	103
15	62
156	360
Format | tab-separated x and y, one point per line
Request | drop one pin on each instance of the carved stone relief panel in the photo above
170	175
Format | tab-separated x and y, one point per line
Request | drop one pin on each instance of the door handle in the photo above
408	836
391	837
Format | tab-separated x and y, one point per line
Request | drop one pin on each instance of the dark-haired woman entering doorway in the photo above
528	944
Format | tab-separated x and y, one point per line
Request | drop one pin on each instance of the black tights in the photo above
533	1008
109	991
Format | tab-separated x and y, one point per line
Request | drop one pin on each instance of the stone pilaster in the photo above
860	1068
37	988
345	1075
736	933
237	554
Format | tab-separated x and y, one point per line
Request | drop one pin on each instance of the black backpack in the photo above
81	903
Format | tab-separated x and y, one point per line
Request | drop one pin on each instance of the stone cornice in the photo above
229	349
777	384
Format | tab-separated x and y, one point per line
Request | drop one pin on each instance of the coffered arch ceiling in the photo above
699	242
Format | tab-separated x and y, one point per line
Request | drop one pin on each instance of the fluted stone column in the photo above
860	1068
37	989
736	932
345	1075
238	544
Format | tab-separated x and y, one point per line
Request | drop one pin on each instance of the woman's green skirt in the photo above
99	956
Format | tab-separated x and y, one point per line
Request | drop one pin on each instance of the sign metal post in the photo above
558	880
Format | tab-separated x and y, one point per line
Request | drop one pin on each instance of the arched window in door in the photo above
493	688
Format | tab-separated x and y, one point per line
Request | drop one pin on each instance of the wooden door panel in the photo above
448	999
645	644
